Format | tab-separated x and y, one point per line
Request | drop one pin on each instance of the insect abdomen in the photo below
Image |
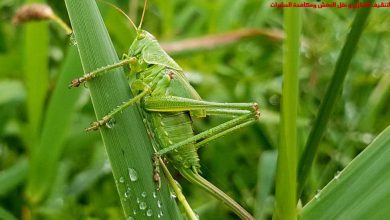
172	128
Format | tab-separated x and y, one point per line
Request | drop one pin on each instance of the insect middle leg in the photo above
246	113
146	89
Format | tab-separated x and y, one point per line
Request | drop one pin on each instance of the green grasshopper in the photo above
168	103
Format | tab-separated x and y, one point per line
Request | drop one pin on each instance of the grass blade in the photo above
44	160
333	92
13	176
361	190
127	144
4	214
266	176
36	75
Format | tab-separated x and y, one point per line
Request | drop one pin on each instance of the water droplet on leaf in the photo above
317	196
133	175
142	206
337	175
110	123
173	195
149	212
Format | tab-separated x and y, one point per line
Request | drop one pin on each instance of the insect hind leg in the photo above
213	133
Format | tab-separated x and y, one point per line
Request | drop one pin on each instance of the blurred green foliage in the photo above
81	184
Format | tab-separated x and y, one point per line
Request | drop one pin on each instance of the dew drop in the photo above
173	195
134	212
127	194
110	123
317	196
337	175
367	138
143	194
121	179
133	174
142	206
159	204
154	195
106	167
138	200
161	213
149	212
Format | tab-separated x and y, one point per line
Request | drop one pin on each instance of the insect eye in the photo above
133	60
141	36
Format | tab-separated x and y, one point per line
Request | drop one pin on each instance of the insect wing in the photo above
182	88
154	54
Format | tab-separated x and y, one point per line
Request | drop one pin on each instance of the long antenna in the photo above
143	14
120	11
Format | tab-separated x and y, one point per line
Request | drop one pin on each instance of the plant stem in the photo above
287	152
127	144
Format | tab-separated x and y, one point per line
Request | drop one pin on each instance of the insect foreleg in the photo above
100	71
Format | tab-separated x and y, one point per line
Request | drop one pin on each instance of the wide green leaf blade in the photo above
361	190
128	146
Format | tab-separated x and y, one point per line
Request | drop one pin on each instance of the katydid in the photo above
168	103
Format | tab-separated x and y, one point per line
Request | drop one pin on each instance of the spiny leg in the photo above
97	124
88	76
247	113
222	133
176	104
145	89
217	131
